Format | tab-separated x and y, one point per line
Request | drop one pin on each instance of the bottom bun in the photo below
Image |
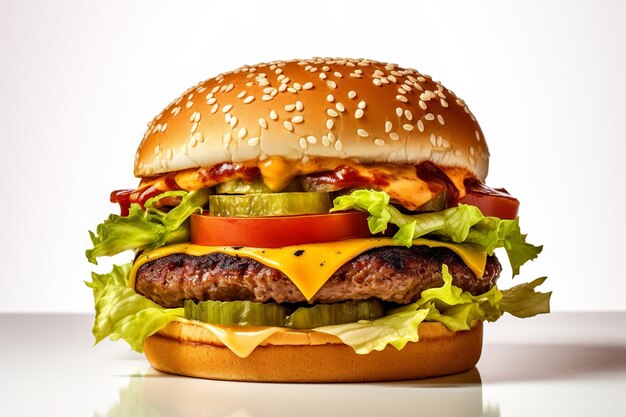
295	356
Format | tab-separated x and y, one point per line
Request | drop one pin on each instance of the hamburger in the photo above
311	221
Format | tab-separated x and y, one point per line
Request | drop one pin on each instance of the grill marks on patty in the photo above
394	274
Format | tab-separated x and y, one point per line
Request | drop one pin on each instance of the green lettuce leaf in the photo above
398	328
523	301
146	229
462	224
121	313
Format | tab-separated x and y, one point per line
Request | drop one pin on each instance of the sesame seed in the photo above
424	97
214	108
278	71
311	139
266	97
332	113
241	94
401	98
440	119
290	107
299	106
194	127
227	108
263	123
164	127
388	126
303	143
214	90
273	115
399	111
297	119
408	114
352	94
248	100
443	102
229	87
338	74
477	134
420	125
227	139
429	116
195	117
379	142
394	136
282	87
329	124
379	73
407	127
340	107
322	76
331	137
330	98
358	113
377	82
227	117
263	157
233	121
363	133
253	141
331	84
392	79
287	124
325	141
307	86
175	111
471	150
189	104
338	145
423	105
384	80
433	139
439	141
292	90
210	101
297	86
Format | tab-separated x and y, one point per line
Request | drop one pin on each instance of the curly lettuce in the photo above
146	229
462	224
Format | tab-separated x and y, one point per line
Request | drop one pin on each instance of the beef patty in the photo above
394	274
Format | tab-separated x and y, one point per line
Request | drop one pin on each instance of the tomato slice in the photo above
496	202
276	232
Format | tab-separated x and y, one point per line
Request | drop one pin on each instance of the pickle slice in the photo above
340	313
236	312
438	203
239	186
264	204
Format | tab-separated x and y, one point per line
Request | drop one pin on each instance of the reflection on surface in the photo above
536	362
157	394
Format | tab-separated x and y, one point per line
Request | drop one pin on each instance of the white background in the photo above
80	80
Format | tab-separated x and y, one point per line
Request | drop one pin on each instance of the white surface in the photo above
538	367
80	80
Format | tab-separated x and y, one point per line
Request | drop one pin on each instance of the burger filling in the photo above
422	243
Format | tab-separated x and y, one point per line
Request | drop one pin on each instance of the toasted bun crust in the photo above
371	112
191	350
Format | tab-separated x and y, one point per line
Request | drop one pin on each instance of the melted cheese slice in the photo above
309	266
241	340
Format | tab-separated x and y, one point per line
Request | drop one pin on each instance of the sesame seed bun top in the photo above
368	111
